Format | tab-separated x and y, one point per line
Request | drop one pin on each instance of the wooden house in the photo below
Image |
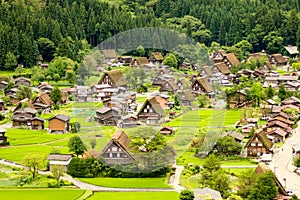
237	136
206	71
169	86
151	112
218	57
183	84
237	99
23	117
292	51
167	130
12	94
21	81
3	84
114	78
109	54
258	145
278	134
230	60
266	67
291	101
62	160
247	121
278	60
128	121
107	116
125	59
2	105
220	67
156	57
82	93
37	123
186	98
277	124
139	62
3	138
59	124
117	150
202	86
42	101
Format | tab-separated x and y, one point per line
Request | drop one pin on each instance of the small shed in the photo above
60	160
3	138
167	130
37	123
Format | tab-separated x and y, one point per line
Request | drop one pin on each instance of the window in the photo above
260	144
114	155
114	149
145	110
253	144
151	110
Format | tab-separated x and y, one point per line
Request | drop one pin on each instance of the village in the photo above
247	117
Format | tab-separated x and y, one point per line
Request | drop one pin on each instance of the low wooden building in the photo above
278	59
3	138
107	116
59	124
37	123
258	145
117	150
169	86
151	112
21	81
3	84
109	54
62	160
23	117
156	57
201	86
167	130
237	136
278	134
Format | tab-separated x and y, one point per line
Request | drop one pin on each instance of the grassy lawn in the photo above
45	194
7	73
136	195
128	182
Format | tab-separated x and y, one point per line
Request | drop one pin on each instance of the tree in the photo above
70	76
76	145
24	92
33	162
282	92
245	181
10	61
297	161
228	146
177	100
140	50
186	195
148	139
245	46
203	101
264	188
171	61
93	143
46	48
273	42
55	95
256	93
57	171
270	92
213	176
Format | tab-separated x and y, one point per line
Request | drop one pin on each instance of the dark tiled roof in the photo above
59	157
64	118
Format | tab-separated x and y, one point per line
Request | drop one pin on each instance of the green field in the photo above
128	182
135	196
44	194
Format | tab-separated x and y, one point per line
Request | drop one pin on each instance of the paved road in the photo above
282	164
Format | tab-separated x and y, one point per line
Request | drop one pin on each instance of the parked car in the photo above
289	192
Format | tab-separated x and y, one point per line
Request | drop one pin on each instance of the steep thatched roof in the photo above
263	138
154	104
109	53
44	98
232	59
205	84
141	61
116	76
278	58
223	68
121	138
156	56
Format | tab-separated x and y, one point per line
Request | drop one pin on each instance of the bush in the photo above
297	161
53	184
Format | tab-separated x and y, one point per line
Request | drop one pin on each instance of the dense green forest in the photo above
52	28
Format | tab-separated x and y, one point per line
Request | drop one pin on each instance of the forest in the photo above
33	30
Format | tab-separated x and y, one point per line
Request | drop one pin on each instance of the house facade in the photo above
258	145
151	112
117	150
113	78
59	124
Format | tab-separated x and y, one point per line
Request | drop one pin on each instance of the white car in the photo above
289	192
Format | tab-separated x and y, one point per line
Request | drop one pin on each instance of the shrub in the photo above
297	161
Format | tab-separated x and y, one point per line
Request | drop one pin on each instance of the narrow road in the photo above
282	164
178	172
